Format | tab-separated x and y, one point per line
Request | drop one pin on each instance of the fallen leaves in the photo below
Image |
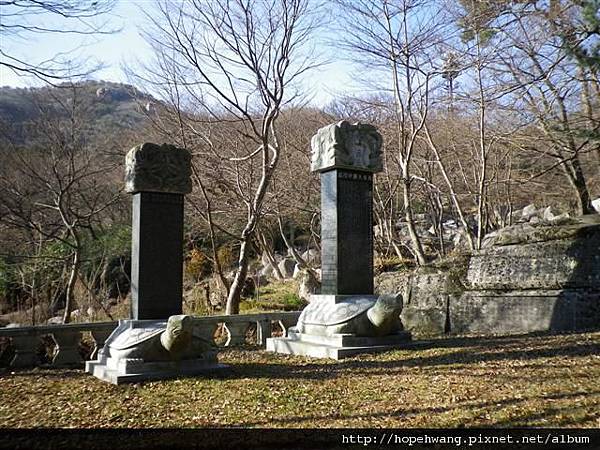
513	381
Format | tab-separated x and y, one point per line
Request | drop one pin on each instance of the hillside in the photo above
109	107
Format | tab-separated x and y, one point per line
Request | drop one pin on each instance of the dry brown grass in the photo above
547	381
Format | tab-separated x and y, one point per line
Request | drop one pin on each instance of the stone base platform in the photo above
131	371
338	346
134	352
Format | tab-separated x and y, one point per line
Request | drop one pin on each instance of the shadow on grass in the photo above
305	369
46	372
471	351
483	406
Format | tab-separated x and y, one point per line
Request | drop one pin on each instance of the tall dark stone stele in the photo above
346	319
347	156
158	176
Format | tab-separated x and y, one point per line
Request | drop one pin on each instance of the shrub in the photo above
291	302
226	256
198	265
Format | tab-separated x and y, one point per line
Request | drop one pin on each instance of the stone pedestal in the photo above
148	362
316	332
346	318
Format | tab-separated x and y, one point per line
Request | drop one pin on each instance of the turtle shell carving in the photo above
133	337
327	313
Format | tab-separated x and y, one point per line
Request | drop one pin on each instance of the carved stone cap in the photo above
158	168
347	146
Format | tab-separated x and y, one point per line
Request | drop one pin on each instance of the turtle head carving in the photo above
384	314
177	337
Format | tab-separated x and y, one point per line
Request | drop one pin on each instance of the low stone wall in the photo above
525	279
26	340
428	295
524	311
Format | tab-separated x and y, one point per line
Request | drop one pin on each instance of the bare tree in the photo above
398	40
57	188
23	19
549	86
234	62
546	77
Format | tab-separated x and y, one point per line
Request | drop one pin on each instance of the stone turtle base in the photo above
132	371
336	347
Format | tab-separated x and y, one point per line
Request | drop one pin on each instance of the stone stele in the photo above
158	168
346	319
139	350
347	146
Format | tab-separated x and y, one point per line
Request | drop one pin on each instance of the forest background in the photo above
485	107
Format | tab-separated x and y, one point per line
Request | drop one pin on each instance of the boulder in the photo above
549	214
116	276
249	288
110	302
377	231
528	212
450	225
261	280
57	320
307	285
297	271
217	294
596	205
286	266
266	271
265	260
312	256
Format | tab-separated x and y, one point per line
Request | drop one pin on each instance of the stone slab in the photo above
567	263
336	347
157	255
493	312
346	232
425	321
152	371
350	340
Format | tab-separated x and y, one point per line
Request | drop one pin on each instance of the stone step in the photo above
290	346
349	340
152	371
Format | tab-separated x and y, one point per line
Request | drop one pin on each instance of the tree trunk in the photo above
576	178
70	294
266	248
450	185
235	291
414	237
482	188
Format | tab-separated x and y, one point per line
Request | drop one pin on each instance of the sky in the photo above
127	48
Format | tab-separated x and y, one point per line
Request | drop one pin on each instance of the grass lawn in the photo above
547	381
